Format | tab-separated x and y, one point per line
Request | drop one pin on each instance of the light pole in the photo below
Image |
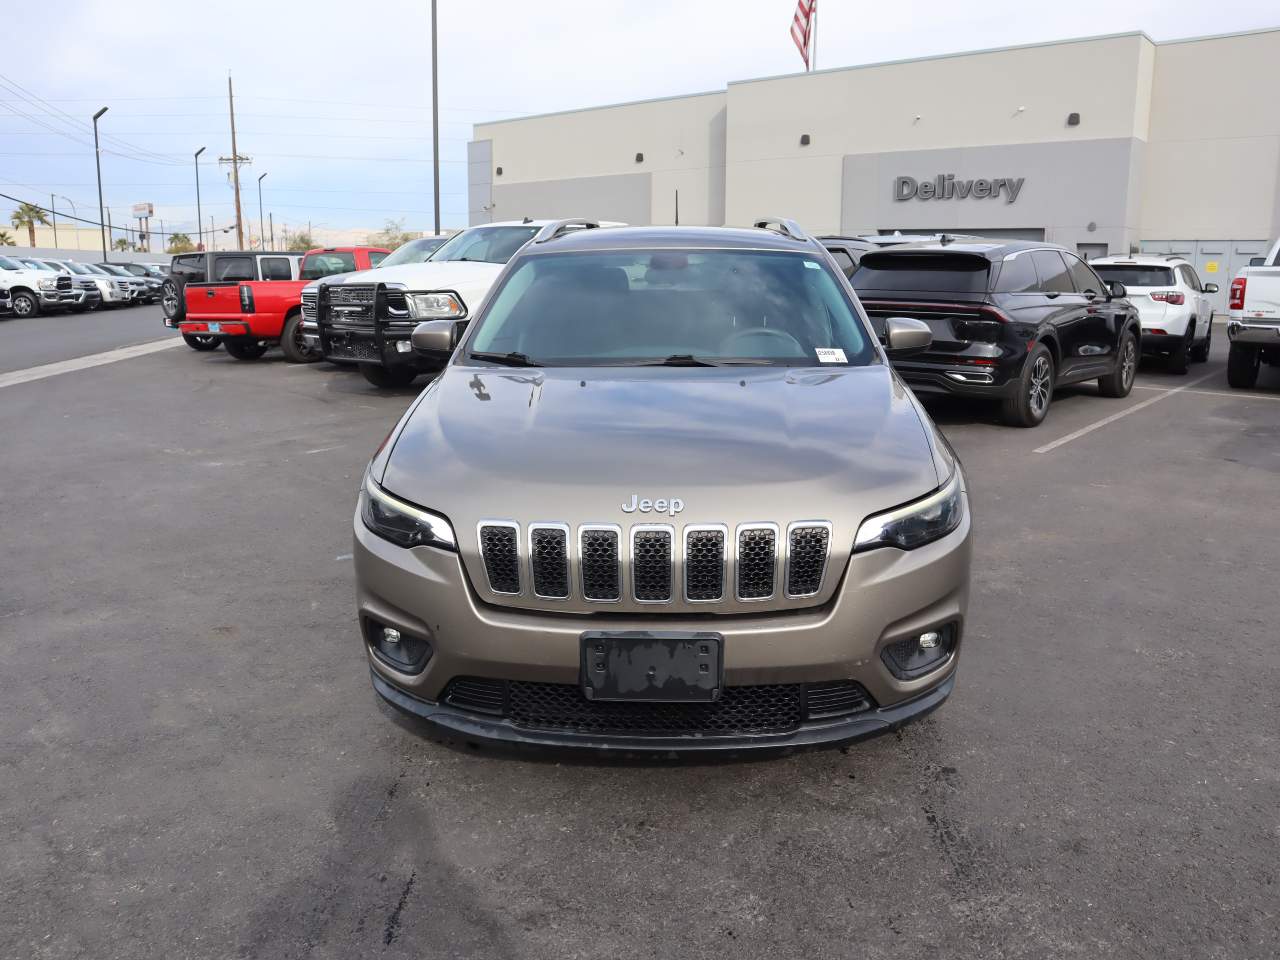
435	122
97	160
75	231
199	218
262	233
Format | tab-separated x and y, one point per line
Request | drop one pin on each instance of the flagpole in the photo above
813	27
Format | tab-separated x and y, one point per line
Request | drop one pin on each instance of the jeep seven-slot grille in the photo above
806	559
549	562
561	708
651	565
599	560
757	560
500	547
704	564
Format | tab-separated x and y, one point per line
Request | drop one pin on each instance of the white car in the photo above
35	287
1254	327
1174	307
367	317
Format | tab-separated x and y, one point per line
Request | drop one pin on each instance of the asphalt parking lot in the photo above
193	764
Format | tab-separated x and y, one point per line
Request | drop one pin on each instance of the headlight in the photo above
915	524
48	284
402	523
434	306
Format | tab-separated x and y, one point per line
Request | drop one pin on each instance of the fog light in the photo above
403	346
914	656
393	636
401	651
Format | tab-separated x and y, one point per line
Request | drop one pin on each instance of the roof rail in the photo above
788	228
559	227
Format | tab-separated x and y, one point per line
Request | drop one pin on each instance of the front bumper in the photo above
1262	334
58	299
383	345
884	596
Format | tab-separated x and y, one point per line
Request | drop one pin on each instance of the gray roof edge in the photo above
603	106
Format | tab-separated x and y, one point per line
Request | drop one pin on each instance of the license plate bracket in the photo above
215	328
652	666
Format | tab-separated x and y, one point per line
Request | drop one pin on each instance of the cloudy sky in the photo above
332	98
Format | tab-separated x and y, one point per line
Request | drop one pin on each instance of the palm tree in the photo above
28	215
6	239
121	244
180	243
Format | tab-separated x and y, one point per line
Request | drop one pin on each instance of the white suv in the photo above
1174	307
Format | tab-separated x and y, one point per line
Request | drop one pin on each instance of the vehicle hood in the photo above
736	445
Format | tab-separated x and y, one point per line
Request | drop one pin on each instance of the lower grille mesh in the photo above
561	707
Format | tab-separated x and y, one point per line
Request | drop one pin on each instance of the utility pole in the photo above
111	232
199	216
262	234
435	122
236	160
54	211
271	218
97	160
213	237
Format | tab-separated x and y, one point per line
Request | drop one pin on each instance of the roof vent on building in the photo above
1073	119
804	139
639	158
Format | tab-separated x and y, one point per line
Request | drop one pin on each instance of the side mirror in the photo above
433	338
904	336
1210	288
1117	290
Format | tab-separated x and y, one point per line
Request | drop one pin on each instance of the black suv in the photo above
1011	320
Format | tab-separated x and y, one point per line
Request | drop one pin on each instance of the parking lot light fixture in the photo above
97	162
262	232
199	217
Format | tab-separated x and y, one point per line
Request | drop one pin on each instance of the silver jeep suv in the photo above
668	494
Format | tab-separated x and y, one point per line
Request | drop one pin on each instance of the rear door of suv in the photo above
1102	321
1066	309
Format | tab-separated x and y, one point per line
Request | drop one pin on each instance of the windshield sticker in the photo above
811	265
831	355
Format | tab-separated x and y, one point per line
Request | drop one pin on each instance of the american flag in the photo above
802	27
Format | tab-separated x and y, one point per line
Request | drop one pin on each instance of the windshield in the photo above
78	268
7	264
678	307
115	271
1132	275
485	244
94	268
37	265
317	265
415	251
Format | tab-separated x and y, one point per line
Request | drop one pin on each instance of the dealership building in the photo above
1104	145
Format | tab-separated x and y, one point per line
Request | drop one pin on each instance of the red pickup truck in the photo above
248	316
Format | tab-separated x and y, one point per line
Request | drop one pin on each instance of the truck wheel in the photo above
1179	355
171	301
25	304
197	342
1029	404
1119	382
1200	351
291	343
1242	365
245	348
388	377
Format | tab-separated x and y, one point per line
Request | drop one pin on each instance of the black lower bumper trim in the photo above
812	734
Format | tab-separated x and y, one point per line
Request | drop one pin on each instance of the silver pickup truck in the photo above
1254	327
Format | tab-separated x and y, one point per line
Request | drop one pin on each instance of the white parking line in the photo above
15	377
1083	431
1236	395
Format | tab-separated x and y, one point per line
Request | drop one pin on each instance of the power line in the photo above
99	223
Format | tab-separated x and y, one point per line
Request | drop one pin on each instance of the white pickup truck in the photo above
1254	327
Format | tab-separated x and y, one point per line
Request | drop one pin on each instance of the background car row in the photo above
36	285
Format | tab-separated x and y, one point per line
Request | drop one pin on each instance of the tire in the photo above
1029	404
244	348
388	377
203	344
171	301
25	304
295	351
1178	357
1200	351
1119	382
1243	363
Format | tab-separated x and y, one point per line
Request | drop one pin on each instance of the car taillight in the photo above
246	299
1237	293
1169	296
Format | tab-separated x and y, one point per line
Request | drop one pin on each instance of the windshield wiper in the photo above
684	360
513	359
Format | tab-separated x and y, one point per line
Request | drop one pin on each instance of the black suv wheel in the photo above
1028	405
